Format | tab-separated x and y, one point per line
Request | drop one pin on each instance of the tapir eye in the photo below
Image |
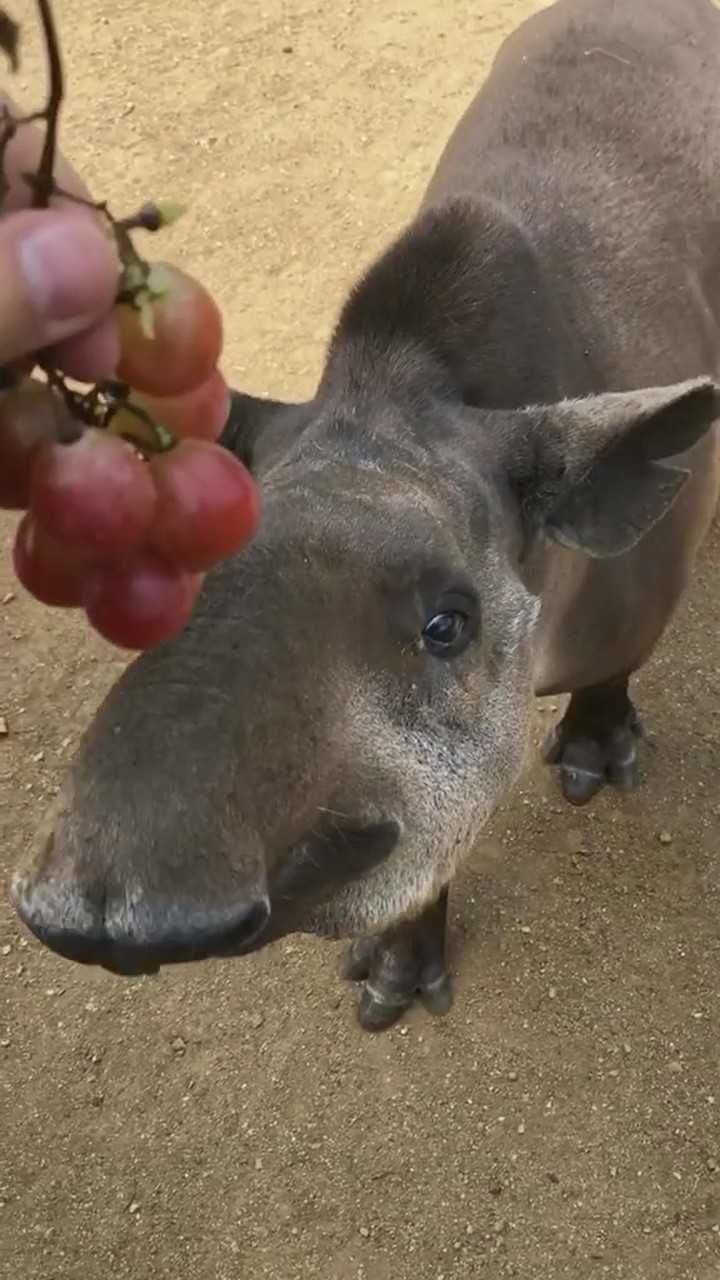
447	634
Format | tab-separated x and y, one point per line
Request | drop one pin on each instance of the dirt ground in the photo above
231	1121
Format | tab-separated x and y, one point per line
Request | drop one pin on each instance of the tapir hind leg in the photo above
596	742
405	962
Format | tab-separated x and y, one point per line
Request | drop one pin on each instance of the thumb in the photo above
59	276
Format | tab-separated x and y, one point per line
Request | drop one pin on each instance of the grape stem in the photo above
98	406
133	289
44	181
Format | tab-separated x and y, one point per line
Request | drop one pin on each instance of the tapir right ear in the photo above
254	422
592	475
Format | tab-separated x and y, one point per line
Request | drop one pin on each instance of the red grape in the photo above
201	413
138	604
96	493
208	505
29	416
187	341
49	571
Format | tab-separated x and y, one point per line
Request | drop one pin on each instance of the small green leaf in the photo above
147	315
10	38
159	280
133	423
165	438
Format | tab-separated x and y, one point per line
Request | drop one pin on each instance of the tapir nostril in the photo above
255	920
202	933
235	931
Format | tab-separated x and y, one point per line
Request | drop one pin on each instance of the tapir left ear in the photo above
254	424
592	477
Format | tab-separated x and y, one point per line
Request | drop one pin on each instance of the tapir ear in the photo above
596	482
254	422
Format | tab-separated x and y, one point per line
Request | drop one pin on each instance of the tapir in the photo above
497	491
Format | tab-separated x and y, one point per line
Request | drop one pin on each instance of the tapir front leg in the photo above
401	964
596	742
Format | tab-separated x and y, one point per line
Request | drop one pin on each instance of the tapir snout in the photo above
240	780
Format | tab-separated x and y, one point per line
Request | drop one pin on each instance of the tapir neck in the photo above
459	305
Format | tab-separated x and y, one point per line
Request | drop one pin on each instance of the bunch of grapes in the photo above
128	499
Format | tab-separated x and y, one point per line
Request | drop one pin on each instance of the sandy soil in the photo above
231	1121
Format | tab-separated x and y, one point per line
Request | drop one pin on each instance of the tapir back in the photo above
613	180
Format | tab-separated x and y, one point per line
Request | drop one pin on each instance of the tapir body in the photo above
498	490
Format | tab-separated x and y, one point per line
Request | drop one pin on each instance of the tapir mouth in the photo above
136	961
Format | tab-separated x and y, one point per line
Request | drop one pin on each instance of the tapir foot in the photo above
405	963
596	743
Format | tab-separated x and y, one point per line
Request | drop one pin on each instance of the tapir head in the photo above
351	698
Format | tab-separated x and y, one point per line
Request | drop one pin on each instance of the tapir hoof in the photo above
588	763
378	1011
389	989
437	995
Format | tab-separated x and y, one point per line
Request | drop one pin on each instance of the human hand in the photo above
59	269
123	515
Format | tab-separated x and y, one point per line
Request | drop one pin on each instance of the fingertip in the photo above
70	267
60	274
